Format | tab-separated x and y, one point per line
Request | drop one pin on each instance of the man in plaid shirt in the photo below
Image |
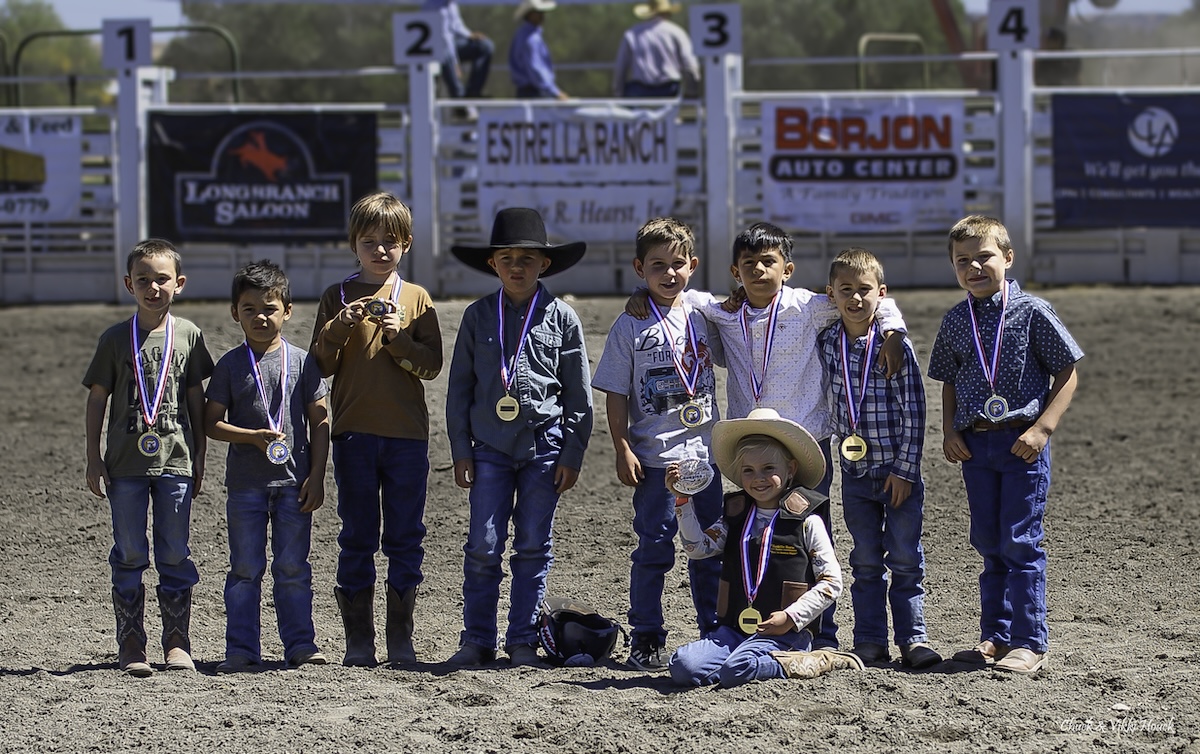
881	423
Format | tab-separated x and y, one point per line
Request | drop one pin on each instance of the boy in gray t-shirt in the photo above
661	401
267	400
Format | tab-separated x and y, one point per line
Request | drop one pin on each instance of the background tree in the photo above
66	56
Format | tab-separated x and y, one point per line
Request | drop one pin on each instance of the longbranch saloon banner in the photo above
1122	161
594	173
41	167
225	177
848	164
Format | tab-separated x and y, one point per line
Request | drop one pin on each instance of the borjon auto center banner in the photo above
1123	161
41	168
847	164
594	173
282	176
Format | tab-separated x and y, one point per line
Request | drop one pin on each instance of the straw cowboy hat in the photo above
520	228
655	7
800	445
528	5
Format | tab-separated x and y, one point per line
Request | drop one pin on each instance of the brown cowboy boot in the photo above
400	626
358	618
176	611
131	634
817	662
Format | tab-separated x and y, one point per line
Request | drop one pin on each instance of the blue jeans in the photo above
885	539
498	478
477	52
1007	498
249	512
655	525
826	638
380	476
130	499
732	658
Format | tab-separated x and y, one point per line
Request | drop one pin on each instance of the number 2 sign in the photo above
716	29
417	38
1013	25
125	43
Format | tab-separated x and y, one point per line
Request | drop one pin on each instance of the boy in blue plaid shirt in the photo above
881	423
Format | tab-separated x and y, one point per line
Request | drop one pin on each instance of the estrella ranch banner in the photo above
849	164
41	167
1122	161
594	173
224	177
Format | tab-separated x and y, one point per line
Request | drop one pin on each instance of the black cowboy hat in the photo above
520	228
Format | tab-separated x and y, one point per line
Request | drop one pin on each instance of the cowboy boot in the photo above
131	634
358	618
400	625
817	662
176	611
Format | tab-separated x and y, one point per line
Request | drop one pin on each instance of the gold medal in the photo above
748	620
148	444
854	448
507	408
691	414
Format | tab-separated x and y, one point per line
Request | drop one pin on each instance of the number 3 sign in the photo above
417	38
125	43
716	29
1013	25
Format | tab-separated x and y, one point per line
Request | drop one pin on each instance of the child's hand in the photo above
735	300
1031	443
354	312
673	477
97	478
891	353
776	624
392	323
637	306
197	475
629	469
564	478
265	436
900	489
954	448
464	473
312	494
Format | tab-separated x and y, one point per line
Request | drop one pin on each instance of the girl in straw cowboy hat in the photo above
779	571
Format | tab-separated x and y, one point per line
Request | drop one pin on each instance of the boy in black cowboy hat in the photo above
519	414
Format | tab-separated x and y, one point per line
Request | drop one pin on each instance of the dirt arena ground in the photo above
1122	539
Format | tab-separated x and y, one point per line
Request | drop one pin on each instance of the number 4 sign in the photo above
1013	25
125	43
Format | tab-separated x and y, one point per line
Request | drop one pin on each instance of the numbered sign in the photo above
1014	25
125	43
417	38
716	29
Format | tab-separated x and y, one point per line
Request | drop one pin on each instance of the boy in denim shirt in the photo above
519	415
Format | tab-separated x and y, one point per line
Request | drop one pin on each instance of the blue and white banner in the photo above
863	165
594	173
1122	161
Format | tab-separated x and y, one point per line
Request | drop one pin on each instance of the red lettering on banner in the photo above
795	130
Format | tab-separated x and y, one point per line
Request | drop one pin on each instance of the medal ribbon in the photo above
395	297
756	383
150	410
274	422
764	554
854	405
508	369
689	379
989	374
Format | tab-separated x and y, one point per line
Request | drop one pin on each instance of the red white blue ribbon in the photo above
854	404
756	382
508	369
395	297
989	374
689	378
150	407
274	422
751	585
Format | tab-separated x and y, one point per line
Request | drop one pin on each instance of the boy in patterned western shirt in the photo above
881	423
1007	364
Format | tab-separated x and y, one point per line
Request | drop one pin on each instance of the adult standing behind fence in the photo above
462	46
529	57
655	54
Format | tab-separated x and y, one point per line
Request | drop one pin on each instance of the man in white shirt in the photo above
655	55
